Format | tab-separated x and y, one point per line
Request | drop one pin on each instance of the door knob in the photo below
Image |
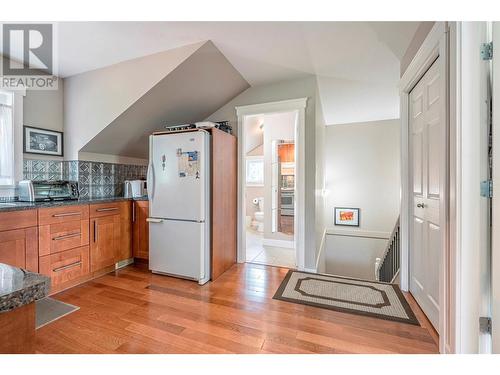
420	205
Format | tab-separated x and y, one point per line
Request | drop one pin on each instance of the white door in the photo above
177	176
495	261
428	152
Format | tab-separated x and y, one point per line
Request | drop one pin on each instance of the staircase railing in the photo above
387	267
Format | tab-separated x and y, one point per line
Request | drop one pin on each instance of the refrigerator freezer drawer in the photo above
179	248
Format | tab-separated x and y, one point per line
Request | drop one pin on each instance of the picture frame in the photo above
42	141
254	171
346	216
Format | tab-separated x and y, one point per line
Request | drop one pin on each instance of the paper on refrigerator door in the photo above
188	164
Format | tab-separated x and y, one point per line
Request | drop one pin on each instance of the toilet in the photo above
258	223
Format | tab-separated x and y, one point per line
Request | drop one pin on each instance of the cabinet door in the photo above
141	230
125	248
105	239
19	248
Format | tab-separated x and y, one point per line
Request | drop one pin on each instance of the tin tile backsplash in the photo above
95	179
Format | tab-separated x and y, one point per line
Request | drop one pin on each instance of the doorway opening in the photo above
270	189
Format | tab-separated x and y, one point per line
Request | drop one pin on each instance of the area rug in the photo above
361	297
48	310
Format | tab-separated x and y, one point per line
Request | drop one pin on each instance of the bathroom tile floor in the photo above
268	255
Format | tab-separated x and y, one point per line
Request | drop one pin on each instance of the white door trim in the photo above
495	224
298	105
469	212
434	46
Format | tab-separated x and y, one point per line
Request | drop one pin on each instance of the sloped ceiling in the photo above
94	99
364	53
201	84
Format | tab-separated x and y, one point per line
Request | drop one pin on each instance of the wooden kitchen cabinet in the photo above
19	239
286	153
66	268
57	237
124	250
224	202
19	248
105	240
140	235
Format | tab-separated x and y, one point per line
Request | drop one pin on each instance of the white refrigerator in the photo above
179	205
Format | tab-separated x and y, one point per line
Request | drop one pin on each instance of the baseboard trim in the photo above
124	263
278	243
310	270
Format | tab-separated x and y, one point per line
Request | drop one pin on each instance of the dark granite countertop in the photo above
19	287
18	206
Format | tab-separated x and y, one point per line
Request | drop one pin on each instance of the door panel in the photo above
178	193
427	129
105	234
434	153
418	183
177	248
13	248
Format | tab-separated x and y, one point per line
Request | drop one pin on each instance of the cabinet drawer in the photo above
106	209
65	266
54	238
18	219
62	214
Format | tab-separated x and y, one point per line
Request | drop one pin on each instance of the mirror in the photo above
283	187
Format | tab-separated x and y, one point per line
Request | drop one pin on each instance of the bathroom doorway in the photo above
269	146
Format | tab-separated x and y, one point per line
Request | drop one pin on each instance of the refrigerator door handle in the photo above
151	180
154	220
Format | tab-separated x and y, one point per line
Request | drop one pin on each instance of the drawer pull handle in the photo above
95	231
67	236
79	263
67	214
106	209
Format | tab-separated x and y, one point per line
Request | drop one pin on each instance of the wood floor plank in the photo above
134	311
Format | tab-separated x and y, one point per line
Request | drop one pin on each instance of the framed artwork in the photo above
255	171
42	141
346	216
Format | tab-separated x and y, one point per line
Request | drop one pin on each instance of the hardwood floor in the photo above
134	311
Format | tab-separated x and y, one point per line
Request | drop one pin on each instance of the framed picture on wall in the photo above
255	171
346	216
43	141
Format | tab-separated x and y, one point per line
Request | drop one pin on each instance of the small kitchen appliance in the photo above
39	191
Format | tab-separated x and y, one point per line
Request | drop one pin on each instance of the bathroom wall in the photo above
95	179
253	191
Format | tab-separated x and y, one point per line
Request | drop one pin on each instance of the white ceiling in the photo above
263	52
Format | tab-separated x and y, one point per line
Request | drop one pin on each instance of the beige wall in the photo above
415	44
44	109
353	256
319	200
292	89
362	170
252	192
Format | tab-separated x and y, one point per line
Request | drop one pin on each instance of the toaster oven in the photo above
39	191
